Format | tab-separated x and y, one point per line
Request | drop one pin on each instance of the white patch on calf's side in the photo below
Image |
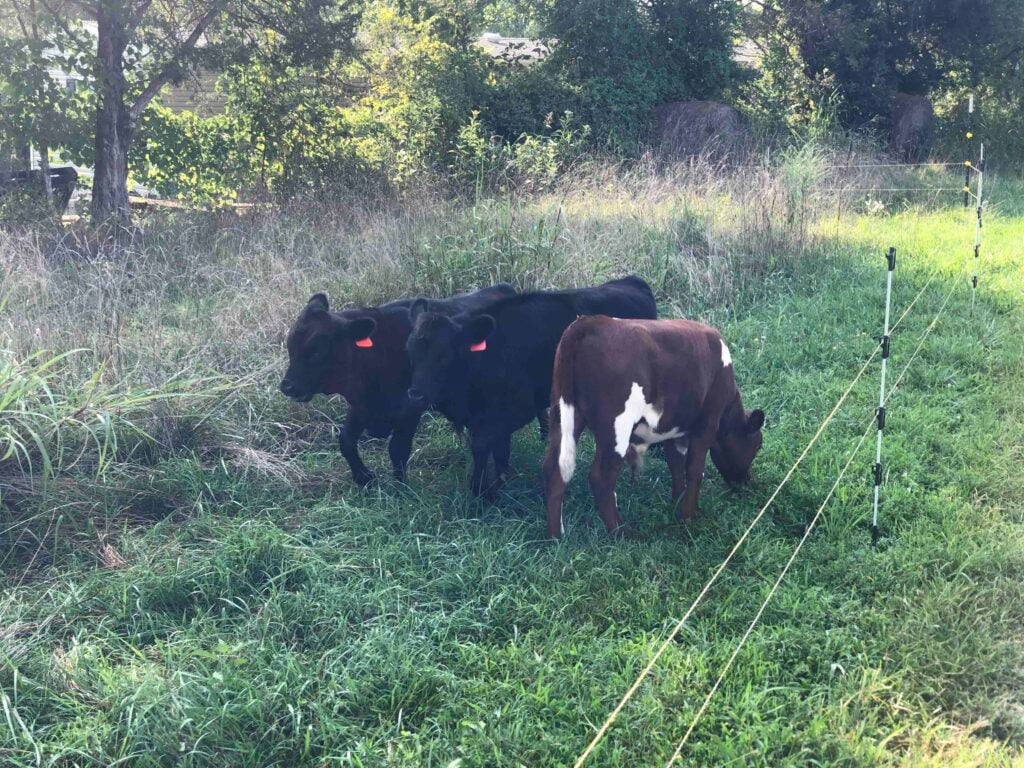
635	409
648	436
567	447
726	356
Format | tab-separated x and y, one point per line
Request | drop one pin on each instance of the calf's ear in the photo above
318	303
417	308
755	420
361	328
478	328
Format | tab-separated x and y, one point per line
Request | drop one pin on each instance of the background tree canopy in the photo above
870	50
370	96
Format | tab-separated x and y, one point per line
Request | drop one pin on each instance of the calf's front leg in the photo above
400	445
604	476
696	457
348	442
481	446
675	452
502	452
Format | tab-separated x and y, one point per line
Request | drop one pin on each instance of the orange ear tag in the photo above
480	346
365	343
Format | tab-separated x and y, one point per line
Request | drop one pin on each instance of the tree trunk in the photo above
44	171
24	153
113	123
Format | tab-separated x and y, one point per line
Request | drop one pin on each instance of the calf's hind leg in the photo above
604	475
540	400
557	469
542	423
554	489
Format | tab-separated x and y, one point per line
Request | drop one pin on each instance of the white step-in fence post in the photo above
891	258
967	162
977	226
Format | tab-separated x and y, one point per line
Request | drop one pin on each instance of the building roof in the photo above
515	50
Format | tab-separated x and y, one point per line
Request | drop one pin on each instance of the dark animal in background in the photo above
360	355
910	132
63	180
490	370
636	383
692	128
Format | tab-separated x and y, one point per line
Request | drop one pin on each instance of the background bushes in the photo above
409	99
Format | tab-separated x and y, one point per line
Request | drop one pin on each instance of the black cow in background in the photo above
360	355
489	370
63	180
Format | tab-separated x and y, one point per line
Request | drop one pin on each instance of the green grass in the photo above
223	595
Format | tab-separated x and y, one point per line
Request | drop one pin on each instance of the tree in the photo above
35	109
140	46
623	57
871	49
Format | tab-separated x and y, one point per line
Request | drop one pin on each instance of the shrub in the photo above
520	98
202	159
302	139
49	423
422	90
621	58
24	206
998	122
532	162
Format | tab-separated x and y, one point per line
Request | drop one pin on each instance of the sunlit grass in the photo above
223	595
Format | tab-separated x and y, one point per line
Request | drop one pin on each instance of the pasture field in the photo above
199	583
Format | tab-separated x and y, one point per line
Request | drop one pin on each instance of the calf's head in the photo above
737	442
321	350
438	346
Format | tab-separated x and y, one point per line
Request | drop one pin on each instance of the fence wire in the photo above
610	720
807	533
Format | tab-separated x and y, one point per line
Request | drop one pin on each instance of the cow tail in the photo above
563	393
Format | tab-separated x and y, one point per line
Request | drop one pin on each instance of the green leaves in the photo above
35	107
203	160
870	50
625	57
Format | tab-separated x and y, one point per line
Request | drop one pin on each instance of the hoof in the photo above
624	531
684	517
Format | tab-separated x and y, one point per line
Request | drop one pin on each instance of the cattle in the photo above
911	126
635	383
360	355
490	370
63	180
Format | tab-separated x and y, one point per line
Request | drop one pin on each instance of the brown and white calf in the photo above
635	383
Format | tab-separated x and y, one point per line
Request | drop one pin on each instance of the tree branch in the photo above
85	46
19	14
167	72
139	14
90	8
